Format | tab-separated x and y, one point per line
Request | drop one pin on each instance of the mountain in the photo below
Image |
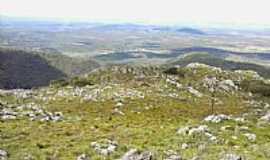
152	55
190	31
221	63
71	66
20	69
124	111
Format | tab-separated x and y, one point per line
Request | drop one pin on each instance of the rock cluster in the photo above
172	155
231	156
202	129
217	118
83	157
105	147
3	155
31	111
135	154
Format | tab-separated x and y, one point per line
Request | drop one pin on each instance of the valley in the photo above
97	91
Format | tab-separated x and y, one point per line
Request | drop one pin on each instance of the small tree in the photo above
212	86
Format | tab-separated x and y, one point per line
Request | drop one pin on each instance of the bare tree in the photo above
212	86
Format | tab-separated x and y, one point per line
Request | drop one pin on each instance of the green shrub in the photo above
59	83
176	71
256	87
80	82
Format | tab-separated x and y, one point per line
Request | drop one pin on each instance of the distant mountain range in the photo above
219	62
175	53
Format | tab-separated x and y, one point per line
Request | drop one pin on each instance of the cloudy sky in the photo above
227	12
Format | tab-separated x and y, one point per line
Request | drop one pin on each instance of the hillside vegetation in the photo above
221	63
20	69
140	113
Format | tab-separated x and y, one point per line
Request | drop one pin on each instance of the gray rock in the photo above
266	117
105	148
134	154
83	157
231	156
3	155
194	92
250	136
217	118
172	155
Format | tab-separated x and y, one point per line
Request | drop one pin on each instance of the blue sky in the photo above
169	12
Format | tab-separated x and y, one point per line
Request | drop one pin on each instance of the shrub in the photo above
256	87
81	82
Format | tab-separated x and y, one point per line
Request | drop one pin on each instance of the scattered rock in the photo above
217	118
83	157
227	85
184	146
105	147
193	130
172	155
231	156
3	155
134	154
225	128
250	136
117	111
266	117
194	92
119	104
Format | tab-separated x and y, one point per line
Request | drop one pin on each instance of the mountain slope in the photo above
190	31
20	69
71	66
221	63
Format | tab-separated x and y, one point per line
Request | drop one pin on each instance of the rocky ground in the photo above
197	112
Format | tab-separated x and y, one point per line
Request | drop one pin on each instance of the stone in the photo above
194	92
105	147
227	127
231	156
250	136
266	117
3	155
183	130
217	118
227	85
172	155
184	146
198	130
134	154
83	157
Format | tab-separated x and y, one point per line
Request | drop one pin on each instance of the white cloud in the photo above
253	12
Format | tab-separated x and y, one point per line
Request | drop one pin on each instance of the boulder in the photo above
83	157
250	136
217	118
134	154
3	155
105	147
231	156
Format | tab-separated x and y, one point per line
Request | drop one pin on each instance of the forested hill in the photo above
21	69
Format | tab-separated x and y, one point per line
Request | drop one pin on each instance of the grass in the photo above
149	123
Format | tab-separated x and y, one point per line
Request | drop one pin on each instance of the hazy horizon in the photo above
206	13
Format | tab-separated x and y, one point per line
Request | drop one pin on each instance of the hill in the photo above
221	63
124	111
71	66
190	31
20	69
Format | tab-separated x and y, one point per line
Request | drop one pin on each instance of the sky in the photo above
168	12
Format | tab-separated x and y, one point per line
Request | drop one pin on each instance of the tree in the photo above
212	86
